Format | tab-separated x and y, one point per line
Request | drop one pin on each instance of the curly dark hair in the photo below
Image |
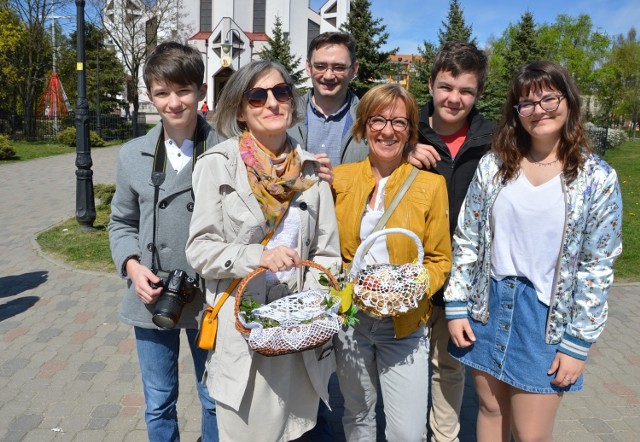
511	141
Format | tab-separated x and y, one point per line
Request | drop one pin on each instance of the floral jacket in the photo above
591	243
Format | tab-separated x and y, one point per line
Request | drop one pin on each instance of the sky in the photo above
410	22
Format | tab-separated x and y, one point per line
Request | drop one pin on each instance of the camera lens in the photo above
167	311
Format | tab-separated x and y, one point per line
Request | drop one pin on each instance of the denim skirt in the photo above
511	345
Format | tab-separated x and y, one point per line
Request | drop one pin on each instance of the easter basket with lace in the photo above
293	323
388	290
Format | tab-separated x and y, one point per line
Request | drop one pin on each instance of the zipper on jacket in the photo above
554	294
467	144
485	316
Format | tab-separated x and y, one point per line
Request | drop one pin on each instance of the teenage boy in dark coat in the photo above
460	135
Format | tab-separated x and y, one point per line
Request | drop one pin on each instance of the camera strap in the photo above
158	175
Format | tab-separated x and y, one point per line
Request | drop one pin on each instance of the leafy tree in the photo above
111	71
279	50
455	28
370	36
573	43
12	34
609	90
625	57
135	27
32	57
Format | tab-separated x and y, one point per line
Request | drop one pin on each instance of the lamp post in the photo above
85	204
228	44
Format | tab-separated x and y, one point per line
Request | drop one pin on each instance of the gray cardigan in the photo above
131	224
352	150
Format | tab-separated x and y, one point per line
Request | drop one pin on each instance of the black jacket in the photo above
457	172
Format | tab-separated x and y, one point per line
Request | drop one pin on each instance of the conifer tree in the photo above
419	76
279	50
455	27
523	46
518	45
370	36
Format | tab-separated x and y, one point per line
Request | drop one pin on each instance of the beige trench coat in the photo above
224	243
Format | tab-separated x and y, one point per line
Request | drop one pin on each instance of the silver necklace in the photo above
540	163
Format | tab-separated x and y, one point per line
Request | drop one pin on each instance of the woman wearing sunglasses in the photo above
390	352
257	181
537	236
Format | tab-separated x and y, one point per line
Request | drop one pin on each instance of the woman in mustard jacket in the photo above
391	351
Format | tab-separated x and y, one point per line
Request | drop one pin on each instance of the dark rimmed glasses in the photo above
338	69
258	96
378	122
547	104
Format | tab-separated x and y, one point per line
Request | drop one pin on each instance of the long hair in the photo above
376	100
511	142
229	105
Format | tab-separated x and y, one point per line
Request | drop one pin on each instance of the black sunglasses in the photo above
258	96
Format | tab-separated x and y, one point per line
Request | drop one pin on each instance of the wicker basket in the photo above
296	332
388	290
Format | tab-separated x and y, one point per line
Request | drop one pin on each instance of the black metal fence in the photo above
111	127
599	137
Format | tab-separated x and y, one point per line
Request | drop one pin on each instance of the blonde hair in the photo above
376	100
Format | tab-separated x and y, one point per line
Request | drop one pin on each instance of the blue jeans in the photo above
158	352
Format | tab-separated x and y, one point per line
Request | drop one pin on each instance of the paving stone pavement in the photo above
68	367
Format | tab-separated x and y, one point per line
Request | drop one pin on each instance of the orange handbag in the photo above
206	338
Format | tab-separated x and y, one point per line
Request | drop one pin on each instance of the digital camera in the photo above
179	289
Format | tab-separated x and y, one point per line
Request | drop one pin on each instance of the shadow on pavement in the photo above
17	306
14	284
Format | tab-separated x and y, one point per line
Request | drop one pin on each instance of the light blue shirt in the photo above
325	133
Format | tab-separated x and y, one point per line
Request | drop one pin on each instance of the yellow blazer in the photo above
423	210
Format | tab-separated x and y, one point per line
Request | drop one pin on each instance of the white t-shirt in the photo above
378	253
286	234
528	222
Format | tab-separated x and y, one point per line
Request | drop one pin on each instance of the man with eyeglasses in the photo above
330	107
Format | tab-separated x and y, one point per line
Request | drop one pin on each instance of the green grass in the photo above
30	150
626	160
88	250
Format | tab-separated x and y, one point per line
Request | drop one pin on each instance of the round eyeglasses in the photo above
378	122
547	104
258	96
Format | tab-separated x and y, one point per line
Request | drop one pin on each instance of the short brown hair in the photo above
333	38
460	57
379	98
173	62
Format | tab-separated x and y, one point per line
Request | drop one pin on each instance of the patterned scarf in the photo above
273	179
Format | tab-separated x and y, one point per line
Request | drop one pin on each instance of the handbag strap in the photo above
389	210
235	282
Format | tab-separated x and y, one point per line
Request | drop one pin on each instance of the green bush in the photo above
6	148
104	192
68	138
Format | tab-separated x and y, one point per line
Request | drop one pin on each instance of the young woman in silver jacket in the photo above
537	237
